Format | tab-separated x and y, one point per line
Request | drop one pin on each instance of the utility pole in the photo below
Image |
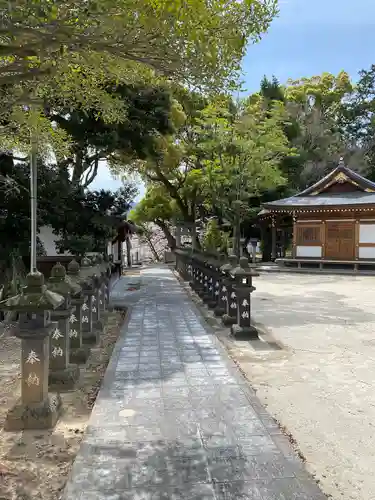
33	200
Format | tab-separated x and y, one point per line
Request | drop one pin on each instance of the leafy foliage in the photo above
147	111
98	211
357	121
158	208
78	216
214	239
199	43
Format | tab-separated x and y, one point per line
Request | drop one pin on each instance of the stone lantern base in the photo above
244	332
91	338
212	303
98	326
219	311
34	416
228	320
79	355
64	379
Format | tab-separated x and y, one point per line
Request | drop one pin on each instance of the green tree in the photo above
200	43
172	169
148	111
314	105
244	143
220	156
99	214
357	120
158	208
214	239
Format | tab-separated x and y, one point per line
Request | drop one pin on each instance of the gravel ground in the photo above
35	464
320	387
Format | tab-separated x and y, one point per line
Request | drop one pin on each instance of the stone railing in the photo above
224	284
59	320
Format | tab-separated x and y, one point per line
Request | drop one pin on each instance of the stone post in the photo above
97	283
221	307
36	409
243	276
102	272
209	273
87	272
89	337
215	284
204	282
62	374
108	273
230	316
194	271
184	262
189	268
79	352
177	254
198	285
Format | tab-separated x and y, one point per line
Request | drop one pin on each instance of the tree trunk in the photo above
128	253
152	248
168	235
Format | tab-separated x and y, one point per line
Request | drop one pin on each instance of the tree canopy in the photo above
225	156
197	43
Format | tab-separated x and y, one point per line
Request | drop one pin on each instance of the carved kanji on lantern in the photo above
78	351
62	374
230	302
243	289
36	409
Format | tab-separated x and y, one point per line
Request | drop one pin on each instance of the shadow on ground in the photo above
175	419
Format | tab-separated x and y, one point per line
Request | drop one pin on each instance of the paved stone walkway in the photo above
175	419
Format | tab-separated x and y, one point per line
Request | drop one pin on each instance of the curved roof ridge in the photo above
341	167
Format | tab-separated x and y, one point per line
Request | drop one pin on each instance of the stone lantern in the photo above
37	409
221	307
79	351
230	316
216	279
210	264
194	271
104	284
62	374
97	284
243	288
199	274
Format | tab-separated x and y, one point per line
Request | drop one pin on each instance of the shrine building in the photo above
333	222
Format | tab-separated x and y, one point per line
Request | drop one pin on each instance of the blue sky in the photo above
307	38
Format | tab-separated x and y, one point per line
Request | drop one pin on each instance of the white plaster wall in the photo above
367	233
109	248
366	252
115	251
309	251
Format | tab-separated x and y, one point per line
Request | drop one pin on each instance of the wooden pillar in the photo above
274	237
356	248
282	241
294	245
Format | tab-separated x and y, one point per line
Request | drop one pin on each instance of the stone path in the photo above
175	419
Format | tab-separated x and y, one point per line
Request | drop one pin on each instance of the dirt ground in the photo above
36	464
318	381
